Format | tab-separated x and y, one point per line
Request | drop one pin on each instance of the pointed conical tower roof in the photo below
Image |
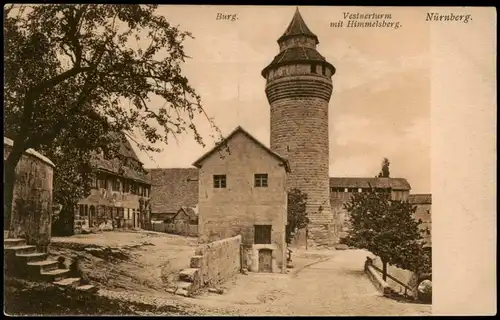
298	52
297	27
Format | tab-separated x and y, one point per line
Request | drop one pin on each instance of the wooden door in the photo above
265	260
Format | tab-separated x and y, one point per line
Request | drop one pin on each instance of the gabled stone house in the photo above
243	190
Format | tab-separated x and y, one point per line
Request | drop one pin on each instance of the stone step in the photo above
55	275
183	285
12	242
21	249
183	288
189	274
87	288
44	265
68	282
32	257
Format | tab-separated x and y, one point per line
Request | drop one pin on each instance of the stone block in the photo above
196	261
189	275
216	290
182	292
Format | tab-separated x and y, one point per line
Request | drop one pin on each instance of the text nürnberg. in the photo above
366	20
450	17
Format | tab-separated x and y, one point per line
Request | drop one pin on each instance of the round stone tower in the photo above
299	87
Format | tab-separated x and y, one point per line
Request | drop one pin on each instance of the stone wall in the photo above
217	261
32	201
405	276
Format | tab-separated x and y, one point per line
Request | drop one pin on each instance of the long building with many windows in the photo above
120	194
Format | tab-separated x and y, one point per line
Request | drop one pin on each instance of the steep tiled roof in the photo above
173	188
125	146
393	183
198	162
297	27
297	54
131	170
189	212
420	198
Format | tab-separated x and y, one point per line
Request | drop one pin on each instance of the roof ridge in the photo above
239	128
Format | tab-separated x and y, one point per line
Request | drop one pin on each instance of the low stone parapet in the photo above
212	264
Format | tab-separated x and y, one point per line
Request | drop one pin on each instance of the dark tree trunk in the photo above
9	183
384	270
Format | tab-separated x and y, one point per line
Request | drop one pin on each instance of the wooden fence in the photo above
183	229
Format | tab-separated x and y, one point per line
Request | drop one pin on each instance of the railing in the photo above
369	261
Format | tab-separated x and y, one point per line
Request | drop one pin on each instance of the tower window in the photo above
324	71
313	68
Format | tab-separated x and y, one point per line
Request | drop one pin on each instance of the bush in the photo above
425	291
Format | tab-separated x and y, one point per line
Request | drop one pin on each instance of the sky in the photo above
380	106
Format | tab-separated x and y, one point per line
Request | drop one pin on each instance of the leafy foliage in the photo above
384	172
296	212
75	72
387	228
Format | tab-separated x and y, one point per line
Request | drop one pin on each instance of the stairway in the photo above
23	261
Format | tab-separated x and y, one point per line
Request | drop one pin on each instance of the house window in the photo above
261	180
93	182
219	181
262	234
116	185
102	182
126	186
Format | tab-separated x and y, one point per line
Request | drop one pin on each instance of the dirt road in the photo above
333	284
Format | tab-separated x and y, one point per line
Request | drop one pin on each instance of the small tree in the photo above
387	229
296	212
384	172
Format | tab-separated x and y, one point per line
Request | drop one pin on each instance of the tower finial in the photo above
297	27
